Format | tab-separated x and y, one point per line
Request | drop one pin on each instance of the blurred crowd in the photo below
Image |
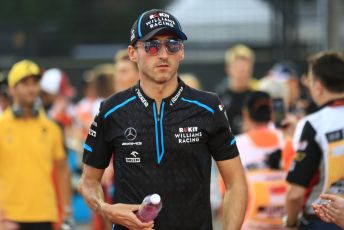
263	112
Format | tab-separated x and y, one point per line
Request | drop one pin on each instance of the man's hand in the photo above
6	224
123	214
332	211
287	228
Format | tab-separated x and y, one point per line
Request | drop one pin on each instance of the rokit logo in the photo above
134	158
131	134
188	135
157	15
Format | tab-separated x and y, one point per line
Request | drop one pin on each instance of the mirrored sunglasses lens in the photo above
153	47
173	46
153	50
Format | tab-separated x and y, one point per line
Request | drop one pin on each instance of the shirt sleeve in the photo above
97	150
222	143
307	158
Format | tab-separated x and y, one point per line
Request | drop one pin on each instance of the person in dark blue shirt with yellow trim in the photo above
162	135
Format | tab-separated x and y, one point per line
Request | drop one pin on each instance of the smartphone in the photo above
278	111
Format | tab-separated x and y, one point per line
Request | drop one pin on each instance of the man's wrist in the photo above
287	223
101	206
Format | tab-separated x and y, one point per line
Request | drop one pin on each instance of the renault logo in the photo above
130	133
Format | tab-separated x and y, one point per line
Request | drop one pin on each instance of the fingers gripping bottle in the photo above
150	208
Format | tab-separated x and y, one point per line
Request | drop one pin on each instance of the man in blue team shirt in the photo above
162	135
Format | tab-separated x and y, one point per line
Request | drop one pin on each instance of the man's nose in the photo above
163	52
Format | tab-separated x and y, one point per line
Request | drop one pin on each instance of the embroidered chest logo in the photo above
130	134
188	135
134	158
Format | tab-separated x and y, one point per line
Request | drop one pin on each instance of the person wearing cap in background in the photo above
30	144
98	86
5	99
164	134
239	83
126	72
56	94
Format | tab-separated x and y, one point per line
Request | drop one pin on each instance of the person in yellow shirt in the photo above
30	145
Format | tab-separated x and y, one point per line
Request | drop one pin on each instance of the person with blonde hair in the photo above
191	80
126	72
239	63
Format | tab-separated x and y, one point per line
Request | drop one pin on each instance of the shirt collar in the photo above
169	101
334	103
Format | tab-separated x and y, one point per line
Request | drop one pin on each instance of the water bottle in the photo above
150	208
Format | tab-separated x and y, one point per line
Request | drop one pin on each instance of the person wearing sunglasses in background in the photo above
163	135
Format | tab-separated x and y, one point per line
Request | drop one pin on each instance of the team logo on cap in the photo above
132	37
160	19
157	15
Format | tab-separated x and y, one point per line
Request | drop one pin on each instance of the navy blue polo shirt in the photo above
168	153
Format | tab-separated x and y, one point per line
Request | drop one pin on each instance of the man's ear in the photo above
318	88
132	53
246	120
181	56
245	114
12	91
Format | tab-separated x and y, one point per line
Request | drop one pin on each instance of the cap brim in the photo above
157	31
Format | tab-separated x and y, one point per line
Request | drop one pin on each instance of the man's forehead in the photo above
29	79
165	35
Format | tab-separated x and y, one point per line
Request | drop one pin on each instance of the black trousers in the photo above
312	222
36	226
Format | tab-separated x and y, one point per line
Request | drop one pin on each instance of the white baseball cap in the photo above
55	81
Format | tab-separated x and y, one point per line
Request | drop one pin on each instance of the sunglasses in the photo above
153	47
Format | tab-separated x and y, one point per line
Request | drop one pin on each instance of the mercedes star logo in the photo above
130	133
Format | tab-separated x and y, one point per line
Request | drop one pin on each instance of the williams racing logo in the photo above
188	135
160	19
